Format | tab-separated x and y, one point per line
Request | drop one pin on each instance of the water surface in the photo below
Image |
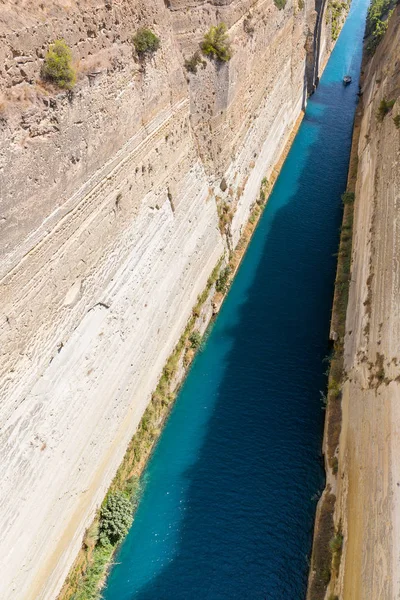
231	489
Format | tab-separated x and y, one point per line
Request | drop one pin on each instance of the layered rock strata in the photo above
109	199
368	484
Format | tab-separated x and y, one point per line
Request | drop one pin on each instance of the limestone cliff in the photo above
368	481
109	199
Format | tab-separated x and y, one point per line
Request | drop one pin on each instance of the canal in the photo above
231	489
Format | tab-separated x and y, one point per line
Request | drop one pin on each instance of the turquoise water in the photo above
231	489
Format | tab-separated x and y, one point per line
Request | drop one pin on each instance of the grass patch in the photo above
384	108
88	588
336	546
347	198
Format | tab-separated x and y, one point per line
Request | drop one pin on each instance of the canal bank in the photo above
229	494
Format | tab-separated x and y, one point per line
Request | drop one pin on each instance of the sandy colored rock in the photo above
110	230
369	458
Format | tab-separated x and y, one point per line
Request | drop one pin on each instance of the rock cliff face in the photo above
368	504
109	202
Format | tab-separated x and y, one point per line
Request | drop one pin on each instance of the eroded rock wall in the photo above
110	230
368	506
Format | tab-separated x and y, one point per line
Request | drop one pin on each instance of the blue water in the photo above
231	489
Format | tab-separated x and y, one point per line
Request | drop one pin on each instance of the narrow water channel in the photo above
231	489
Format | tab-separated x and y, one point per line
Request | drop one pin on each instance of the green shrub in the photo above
348	197
337	9
378	16
325	574
57	66
145	42
280	4
384	107
222	281
300	4
216	43
396	121
334	388
335	465
192	63
336	543
195	339
115	519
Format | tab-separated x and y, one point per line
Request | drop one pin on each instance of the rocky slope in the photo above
368	484
109	200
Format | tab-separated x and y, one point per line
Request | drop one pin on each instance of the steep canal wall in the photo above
356	547
118	199
369	466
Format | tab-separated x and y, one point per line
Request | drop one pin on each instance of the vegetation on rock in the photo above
348	197
116	517
378	16
337	10
57	66
195	339
280	4
145	42
223	280
195	61
216	43
248	25
384	107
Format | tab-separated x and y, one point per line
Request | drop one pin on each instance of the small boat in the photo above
346	80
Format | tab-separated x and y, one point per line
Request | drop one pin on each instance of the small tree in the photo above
58	67
216	43
222	282
115	519
145	42
195	339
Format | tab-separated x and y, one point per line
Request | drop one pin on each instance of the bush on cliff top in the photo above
216	43
145	42
58	67
280	4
